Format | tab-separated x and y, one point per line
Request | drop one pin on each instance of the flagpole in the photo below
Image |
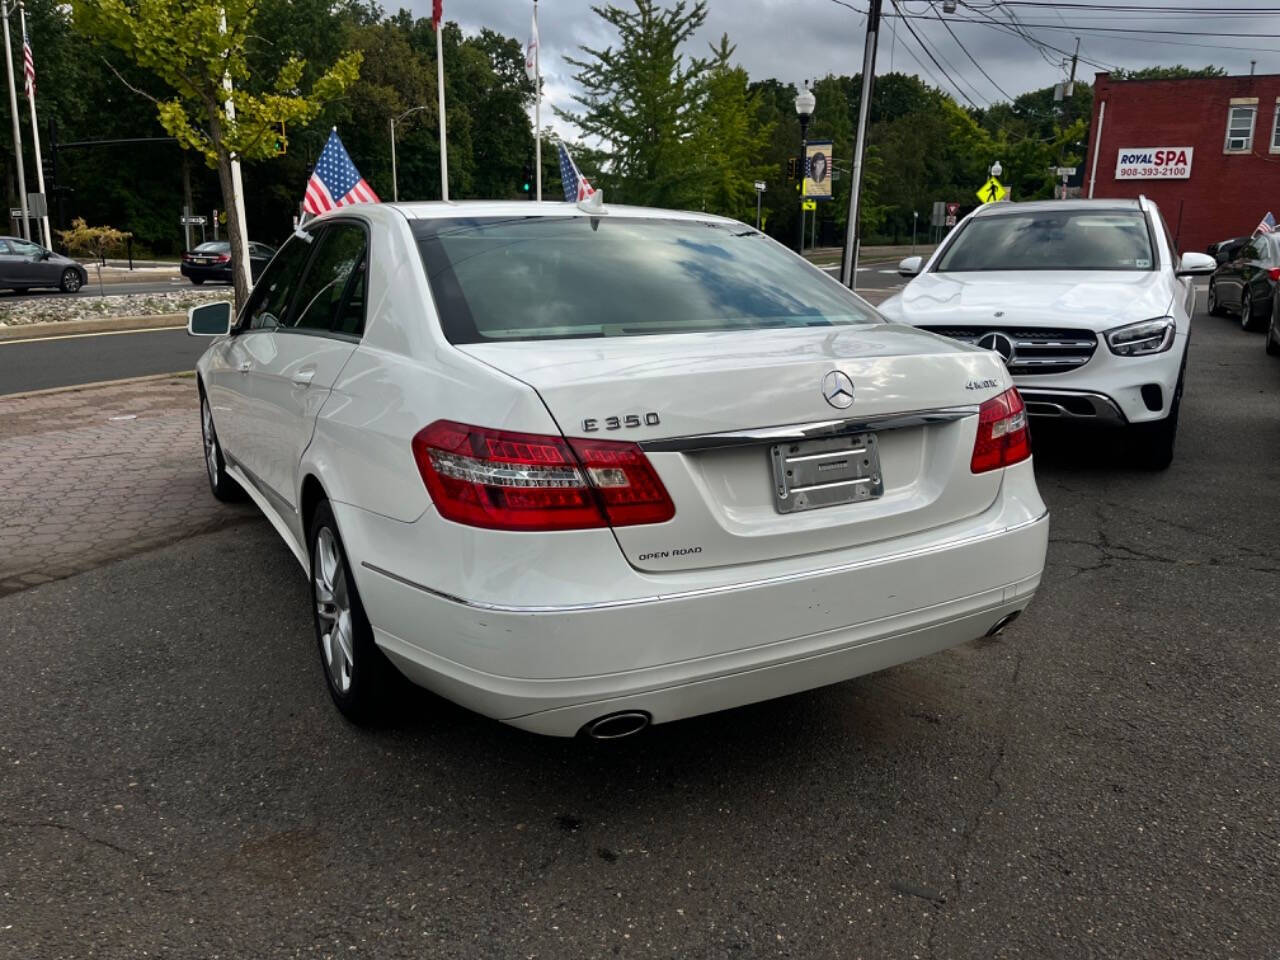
35	127
537	109
17	130
444	147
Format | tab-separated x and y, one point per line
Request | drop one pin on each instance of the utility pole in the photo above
17	133
852	234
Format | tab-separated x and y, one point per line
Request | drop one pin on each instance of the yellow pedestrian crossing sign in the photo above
809	204
992	191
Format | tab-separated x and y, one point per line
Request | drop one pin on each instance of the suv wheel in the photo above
356	672
223	487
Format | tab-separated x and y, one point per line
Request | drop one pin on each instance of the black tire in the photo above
1153	442
1215	308
196	280
1273	331
223	487
71	280
359	684
1247	319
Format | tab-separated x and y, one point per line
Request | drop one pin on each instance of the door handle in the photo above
303	377
245	365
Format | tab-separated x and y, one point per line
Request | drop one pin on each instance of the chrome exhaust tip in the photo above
1003	622
615	726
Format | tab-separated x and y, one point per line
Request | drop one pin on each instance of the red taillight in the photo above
520	481
188	256
1003	438
223	258
1274	274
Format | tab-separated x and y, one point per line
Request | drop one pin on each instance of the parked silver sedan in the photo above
24	265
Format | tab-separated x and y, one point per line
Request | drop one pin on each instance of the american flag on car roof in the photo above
576	186
336	182
1267	225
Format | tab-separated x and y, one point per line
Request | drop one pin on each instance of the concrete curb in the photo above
80	328
124	381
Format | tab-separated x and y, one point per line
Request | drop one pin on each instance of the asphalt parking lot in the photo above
1101	781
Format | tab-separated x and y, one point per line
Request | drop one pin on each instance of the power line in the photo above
965	49
907	23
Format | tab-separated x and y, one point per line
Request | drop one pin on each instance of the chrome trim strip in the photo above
795	432
709	591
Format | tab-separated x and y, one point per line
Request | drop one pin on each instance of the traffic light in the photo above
791	168
281	141
526	179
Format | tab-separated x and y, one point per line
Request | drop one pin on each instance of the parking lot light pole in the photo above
805	103
395	186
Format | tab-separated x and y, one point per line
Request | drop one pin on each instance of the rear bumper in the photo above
540	668
198	271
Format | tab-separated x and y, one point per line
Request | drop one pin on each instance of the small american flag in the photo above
576	186
28	64
336	182
1267	225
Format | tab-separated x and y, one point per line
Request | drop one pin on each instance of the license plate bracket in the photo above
828	472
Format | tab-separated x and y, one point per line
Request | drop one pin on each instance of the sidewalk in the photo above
91	475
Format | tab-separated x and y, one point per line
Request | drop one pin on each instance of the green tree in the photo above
1176	72
190	46
641	98
729	140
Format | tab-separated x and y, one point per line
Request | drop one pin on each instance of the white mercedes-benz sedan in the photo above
1086	301
584	470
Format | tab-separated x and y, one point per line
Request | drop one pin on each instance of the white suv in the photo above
1086	301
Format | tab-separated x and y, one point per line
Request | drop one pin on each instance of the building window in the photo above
1240	129
1275	129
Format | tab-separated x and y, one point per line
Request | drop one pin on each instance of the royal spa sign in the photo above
1154	163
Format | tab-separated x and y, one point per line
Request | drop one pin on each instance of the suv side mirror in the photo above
910	267
209	319
1196	265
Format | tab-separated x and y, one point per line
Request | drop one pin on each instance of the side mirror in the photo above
45	254
910	267
209	319
1196	265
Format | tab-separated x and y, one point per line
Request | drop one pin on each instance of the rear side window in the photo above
530	278
268	305
324	289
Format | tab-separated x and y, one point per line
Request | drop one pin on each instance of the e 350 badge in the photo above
628	421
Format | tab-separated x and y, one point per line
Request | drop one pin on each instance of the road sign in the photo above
1066	171
992	191
15	212
950	221
192	221
760	185
953	210
36	205
809	205
938	213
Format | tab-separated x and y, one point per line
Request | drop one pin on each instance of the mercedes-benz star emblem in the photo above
837	389
1000	343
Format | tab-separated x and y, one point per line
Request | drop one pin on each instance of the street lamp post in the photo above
395	186
915	220
996	169
805	103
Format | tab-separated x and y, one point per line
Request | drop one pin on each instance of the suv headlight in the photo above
1139	339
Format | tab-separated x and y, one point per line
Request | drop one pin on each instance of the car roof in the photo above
439	210
1036	206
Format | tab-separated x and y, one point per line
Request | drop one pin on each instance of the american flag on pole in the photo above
1267	225
336	182
576	186
28	64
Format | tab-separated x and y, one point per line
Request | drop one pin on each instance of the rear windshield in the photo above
1052	240
214	246
531	278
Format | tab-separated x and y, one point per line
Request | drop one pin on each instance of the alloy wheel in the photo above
333	609
1246	311
210	441
70	281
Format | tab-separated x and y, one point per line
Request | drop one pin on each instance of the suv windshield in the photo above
1081	239
526	278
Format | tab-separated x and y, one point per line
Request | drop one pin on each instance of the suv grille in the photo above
1035	349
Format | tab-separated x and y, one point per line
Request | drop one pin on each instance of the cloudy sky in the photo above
796	39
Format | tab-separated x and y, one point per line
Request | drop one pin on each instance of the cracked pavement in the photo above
1101	781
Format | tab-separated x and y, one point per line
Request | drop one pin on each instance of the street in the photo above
1099	781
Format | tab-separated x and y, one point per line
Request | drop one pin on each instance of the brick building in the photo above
1207	150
